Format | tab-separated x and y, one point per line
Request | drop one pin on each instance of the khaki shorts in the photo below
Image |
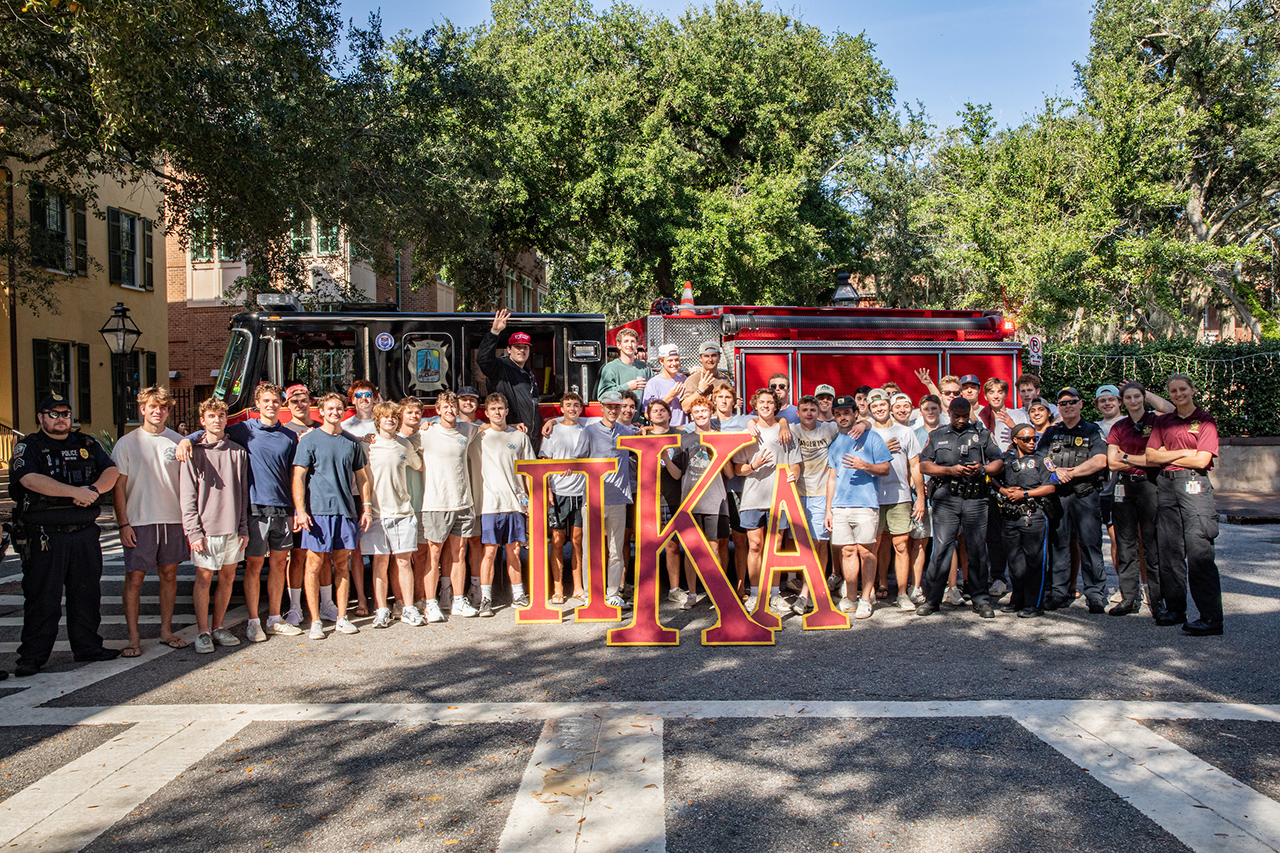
219	551
854	525
439	526
895	518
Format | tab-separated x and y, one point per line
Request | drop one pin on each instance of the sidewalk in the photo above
1248	507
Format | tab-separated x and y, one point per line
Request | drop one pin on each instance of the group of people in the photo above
967	497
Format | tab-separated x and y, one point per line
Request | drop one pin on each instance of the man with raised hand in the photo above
602	437
814	438
511	376
898	509
504	506
393	534
448	507
149	514
626	372
324	466
703	379
668	385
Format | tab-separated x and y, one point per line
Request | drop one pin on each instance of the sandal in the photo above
558	598
131	652
362	609
174	642
882	592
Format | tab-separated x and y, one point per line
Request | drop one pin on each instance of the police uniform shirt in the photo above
947	446
77	460
1068	447
1024	472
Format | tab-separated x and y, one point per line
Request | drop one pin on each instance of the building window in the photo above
526	295
130	248
301	237
62	368
202	245
328	241
50	230
512	291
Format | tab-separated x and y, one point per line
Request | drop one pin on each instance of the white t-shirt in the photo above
813	456
566	442
151	464
446	483
895	487
757	488
360	428
1002	433
389	464
504	489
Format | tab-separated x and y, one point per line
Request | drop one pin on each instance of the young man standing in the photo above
669	487
758	465
448	507
814	438
668	385
566	441
411	429
853	502
711	512
826	397
1029	385
471	553
362	396
298	399
723	418
704	378
504	506
898	509
149	513
510	375
214	490
602	439
393	533
780	385
324	509
998	417
626	372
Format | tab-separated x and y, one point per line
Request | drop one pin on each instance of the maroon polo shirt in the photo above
1198	431
1131	438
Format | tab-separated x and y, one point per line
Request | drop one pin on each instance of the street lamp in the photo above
121	335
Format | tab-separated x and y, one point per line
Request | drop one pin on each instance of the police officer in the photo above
1025	488
56	480
1078	453
959	457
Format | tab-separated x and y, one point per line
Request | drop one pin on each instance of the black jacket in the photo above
517	384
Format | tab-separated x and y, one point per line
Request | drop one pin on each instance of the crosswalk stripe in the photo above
16	600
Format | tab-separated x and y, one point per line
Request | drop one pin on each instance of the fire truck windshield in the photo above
323	360
232	375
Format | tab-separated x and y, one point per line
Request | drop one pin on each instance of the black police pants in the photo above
1186	525
1026	545
996	551
1081	516
58	561
1134	514
952	516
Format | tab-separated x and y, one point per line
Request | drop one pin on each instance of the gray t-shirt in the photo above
694	458
602	444
566	442
332	461
757	488
813	456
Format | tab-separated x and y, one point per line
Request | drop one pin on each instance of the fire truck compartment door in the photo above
428	363
846	371
757	367
984	365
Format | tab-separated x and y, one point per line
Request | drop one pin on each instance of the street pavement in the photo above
948	733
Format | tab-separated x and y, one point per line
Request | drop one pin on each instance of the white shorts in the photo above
219	551
391	536
854	525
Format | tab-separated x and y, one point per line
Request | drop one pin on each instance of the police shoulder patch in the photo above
1048	464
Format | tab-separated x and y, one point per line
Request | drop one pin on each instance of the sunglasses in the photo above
1069	401
57	415
950	393
1030	437
363	395
777	387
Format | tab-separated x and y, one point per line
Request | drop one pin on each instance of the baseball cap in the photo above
893	401
468	391
824	389
1105	390
1068	392
668	349
709	346
51	401
293	389
877	394
1039	401
611	397
519	338
970	379
845	402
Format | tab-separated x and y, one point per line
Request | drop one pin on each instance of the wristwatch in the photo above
93	489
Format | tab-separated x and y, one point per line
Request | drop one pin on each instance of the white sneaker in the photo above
905	603
382	617
751	602
997	590
294	618
329	612
317	630
411	616
864	609
677	596
778	606
690	599
618	601
847	605
344	626
462	607
953	597
801	607
285	629
433	611
253	633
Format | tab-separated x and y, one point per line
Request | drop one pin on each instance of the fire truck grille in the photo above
688	333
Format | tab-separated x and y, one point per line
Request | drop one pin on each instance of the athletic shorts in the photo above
895	519
397	535
219	551
754	519
1104	506
329	533
815	510
735	522
158	545
269	533
566	512
714	527
438	526
926	525
502	528
854	525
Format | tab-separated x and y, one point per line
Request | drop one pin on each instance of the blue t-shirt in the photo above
856	488
602	444
271	451
332	461
790	414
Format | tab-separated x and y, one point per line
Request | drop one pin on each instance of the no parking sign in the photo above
1035	350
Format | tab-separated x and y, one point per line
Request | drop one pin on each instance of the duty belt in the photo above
61	528
1135	478
1183	474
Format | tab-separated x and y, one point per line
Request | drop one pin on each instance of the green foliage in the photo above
1237	383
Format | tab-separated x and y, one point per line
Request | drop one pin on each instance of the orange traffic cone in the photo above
686	301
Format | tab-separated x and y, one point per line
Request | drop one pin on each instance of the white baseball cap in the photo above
668	349
824	389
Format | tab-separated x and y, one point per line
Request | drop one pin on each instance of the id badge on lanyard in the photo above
1193	487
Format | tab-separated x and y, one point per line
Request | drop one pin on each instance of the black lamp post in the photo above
121	335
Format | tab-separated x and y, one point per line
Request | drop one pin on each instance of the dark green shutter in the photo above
42	369
151	369
84	395
39	232
82	238
148	279
115	263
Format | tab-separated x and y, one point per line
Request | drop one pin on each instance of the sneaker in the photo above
905	603
382	617
847	605
833	582
751	602
795	585
917	596
485	610
997	590
433	611
677	596
1116	597
474	597
864	609
329	612
344	626
285	629
223	637
462	607
617	600
411	615
317	631
294	618
801	607
204	643
953	597
522	601
778	606
254	633
397	610
689	600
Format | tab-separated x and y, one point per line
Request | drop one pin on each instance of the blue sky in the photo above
1008	54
